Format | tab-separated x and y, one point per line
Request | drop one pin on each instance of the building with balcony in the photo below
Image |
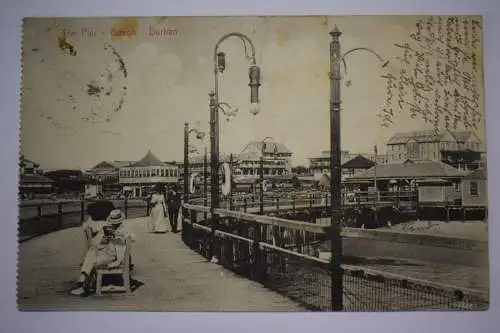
138	178
32	183
277	159
462	150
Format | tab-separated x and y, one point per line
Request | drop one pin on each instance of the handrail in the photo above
375	234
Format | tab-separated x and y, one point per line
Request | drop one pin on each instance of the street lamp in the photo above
187	149
261	172
335	164
219	59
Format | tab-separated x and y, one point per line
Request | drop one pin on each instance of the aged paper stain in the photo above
65	46
282	36
324	22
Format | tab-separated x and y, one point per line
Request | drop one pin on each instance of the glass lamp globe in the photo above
254	108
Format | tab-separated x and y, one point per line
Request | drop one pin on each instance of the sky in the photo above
80	106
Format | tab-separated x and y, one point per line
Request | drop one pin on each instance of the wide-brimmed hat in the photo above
116	217
99	210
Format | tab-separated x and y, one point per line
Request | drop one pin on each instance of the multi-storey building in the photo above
277	159
460	149
138	178
32	182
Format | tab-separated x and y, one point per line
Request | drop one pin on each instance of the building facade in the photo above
32	183
104	179
277	159
138	178
461	149
475	189
320	165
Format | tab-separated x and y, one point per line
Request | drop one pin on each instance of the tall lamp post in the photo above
205	175
199	135
261	172
216	106
335	165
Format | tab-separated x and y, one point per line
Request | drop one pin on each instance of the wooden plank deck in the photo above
174	278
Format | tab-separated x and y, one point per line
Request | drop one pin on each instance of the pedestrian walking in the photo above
158	217
174	202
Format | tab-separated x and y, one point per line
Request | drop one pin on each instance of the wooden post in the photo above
277	205
245	205
125	206
257	256
298	241
39	211
59	215
82	210
293	203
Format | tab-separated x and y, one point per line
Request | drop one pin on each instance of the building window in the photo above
473	189
413	150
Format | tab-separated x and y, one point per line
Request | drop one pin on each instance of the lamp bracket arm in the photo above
343	57
244	40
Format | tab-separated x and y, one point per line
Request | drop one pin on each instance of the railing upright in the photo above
82	210
125	206
59	216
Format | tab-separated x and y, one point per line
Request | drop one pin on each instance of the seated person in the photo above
107	250
98	213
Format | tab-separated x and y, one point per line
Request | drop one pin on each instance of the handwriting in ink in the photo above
438	74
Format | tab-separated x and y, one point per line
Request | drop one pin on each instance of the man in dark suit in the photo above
174	202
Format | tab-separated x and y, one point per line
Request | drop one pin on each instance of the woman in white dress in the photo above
158	215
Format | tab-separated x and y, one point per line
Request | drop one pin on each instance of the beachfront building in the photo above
462	150
356	165
407	177
32	183
320	165
138	178
68	182
277	159
103	179
475	189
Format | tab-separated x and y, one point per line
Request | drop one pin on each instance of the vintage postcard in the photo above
307	163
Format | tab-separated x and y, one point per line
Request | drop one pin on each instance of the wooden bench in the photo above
124	270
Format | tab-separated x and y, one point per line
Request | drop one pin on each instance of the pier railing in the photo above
283	256
42	217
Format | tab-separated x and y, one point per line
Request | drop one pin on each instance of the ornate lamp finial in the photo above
335	32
